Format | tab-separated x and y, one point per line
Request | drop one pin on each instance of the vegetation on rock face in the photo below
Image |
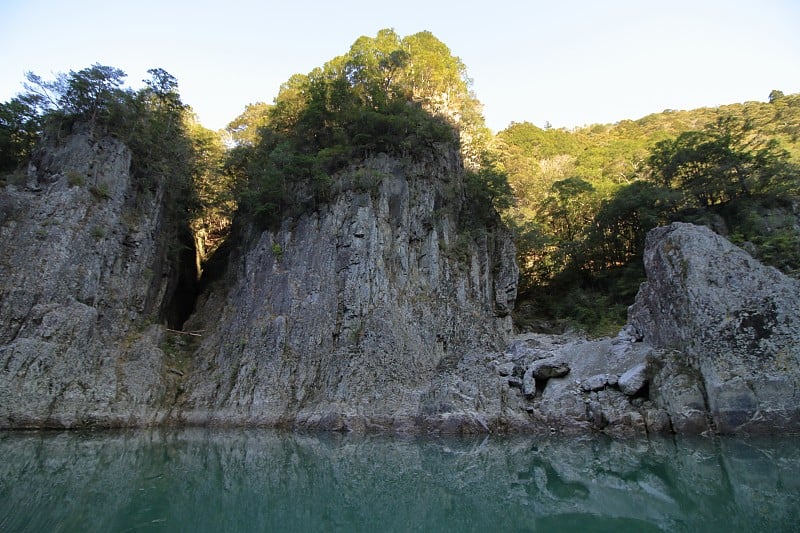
580	201
402	97
168	146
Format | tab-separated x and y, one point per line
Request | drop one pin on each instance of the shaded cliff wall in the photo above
345	316
87	264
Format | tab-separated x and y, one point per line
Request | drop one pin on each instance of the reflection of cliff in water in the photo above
260	480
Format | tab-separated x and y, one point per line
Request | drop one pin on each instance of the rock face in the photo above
728	331
351	316
84	263
385	307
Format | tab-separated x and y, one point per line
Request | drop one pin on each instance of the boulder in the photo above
634	380
730	327
594	383
553	367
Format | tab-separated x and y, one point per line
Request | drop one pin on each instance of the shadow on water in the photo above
260	480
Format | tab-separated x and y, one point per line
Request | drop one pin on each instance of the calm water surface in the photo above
259	480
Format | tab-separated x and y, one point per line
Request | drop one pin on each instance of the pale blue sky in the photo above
568	62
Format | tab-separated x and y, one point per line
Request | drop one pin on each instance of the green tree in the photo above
726	160
382	96
20	127
568	207
213	190
617	232
91	93
245	129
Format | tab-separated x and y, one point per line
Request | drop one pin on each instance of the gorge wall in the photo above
348	317
85	268
386	307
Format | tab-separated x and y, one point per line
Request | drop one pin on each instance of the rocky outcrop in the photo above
385	307
712	346
728	333
352	315
84	268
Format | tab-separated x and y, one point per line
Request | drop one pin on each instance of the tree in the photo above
567	207
725	160
617	232
90	93
775	95
435	76
245	129
213	190
20	127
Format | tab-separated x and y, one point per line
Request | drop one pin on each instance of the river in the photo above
262	480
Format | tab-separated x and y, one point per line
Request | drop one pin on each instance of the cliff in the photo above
86	266
349	316
385	307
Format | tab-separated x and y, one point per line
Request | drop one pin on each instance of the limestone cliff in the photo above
384	307
348	316
85	266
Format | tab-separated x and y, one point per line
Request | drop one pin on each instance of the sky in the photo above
568	63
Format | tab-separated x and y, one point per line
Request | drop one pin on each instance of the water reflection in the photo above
249	480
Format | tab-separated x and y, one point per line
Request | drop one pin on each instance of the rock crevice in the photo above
385	308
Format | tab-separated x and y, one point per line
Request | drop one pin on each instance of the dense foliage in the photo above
386	95
168	147
150	121
586	198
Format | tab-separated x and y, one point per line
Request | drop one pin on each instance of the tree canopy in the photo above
586	198
387	94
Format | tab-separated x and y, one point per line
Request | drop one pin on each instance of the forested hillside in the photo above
586	198
580	201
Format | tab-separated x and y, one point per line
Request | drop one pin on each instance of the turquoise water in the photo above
260	480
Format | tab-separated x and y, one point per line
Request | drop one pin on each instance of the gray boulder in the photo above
634	380
594	383
728	329
553	367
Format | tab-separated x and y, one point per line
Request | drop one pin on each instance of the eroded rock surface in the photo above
84	264
384	308
728	331
353	316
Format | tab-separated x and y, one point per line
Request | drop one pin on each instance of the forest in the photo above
579	201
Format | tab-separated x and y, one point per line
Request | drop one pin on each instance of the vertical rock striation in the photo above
84	267
349	316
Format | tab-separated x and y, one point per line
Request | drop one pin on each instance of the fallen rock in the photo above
553	367
730	329
505	369
634	380
594	383
529	383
